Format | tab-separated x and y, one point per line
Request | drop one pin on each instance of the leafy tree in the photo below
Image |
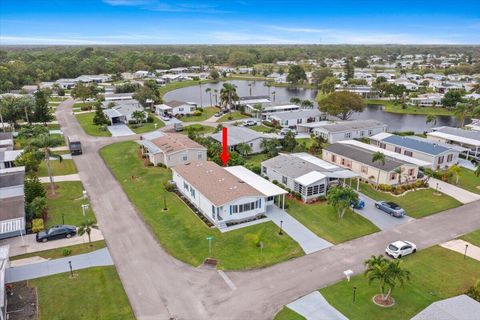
431	119
452	97
44	142
295	100
41	112
209	91
228	94
33	188
341	197
296	74
87	227
244	149
30	159
361	63
143	94
306	103
139	116
388	273
82	92
460	112
380	158
328	84
99	118
349	68
342	104
270	147
128	87
214	74
321	74
456	171
289	142
37	207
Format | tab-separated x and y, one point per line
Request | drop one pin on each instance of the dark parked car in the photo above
391	208
56	232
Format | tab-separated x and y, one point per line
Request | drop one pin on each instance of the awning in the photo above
262	185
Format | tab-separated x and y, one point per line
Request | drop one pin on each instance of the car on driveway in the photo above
250	122
284	131
165	117
56	232
360	204
400	249
391	208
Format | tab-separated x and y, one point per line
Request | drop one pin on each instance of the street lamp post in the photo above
354	293
281	228
165	204
465	254
209	238
71	269
63	218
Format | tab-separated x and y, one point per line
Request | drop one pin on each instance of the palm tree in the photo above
388	273
86	227
456	171
273	94
250	88
431	119
244	149
201	95
295	100
228	94
209	91
268	84
306	104
460	112
215	93
45	142
398	171
380	158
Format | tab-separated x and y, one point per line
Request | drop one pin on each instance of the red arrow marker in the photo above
225	155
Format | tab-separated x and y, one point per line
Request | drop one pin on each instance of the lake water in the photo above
282	95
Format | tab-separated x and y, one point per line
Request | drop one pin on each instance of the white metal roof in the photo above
262	185
380	136
341	174
282	107
316	161
391	154
12	155
309	178
455	138
317	124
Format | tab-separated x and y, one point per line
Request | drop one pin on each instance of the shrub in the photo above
298	195
197	113
252	238
169	186
66	252
37	225
150	119
385	187
86	108
255	168
274	181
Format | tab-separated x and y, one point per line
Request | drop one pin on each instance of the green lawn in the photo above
81	104
68	200
147	127
436	273
207	113
467	180
65	167
58	252
256	159
60	137
322	219
262	128
53	126
390	106
86	121
96	293
235	115
473	238
417	204
198	128
180	231
288	314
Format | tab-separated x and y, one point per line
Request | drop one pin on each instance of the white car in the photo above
400	248
250	122
284	131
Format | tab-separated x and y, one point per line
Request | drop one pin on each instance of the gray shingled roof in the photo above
175	103
291	166
237	135
413	144
470	134
364	156
461	307
296	114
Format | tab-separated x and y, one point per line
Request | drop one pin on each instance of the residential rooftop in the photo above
343	126
238	135
413	144
175	142
296	114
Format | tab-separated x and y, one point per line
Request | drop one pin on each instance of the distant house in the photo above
175	107
439	156
242	135
251	102
141	74
304	173
172	149
110	97
461	307
366	92
225	195
359	160
122	112
266	111
100	78
12	202
6	141
465	138
427	99
292	118
346	130
66	83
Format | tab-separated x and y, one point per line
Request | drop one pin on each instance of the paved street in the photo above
159	286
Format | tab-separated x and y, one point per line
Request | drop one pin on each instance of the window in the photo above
370	132
184	156
334	158
185	185
449	157
213	210
393	176
264	170
382	145
348	134
362	133
270	198
251	145
284	180
398	150
199	155
411	172
180	109
299	121
440	159
192	192
364	169
408	153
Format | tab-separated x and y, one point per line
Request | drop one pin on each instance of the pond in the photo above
282	95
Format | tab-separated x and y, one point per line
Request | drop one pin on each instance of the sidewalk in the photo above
455	192
459	246
68	177
313	306
308	240
28	243
42	269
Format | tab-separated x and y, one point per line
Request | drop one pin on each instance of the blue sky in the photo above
239	22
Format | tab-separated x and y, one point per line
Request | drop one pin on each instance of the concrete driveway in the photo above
455	192
120	130
379	218
314	306
308	240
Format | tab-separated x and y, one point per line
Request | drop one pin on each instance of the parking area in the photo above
120	130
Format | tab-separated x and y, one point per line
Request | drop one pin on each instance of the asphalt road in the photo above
161	287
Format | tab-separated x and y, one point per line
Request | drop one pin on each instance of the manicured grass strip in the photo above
417	204
322	219
235	115
96	293
391	107
288	314
147	127
198	128
60	137
68	200
207	113
86	121
436	273
473	238
62	168
467	180
256	159
262	128
180	231
81	104
58	252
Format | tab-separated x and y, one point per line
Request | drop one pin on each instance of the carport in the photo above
115	117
